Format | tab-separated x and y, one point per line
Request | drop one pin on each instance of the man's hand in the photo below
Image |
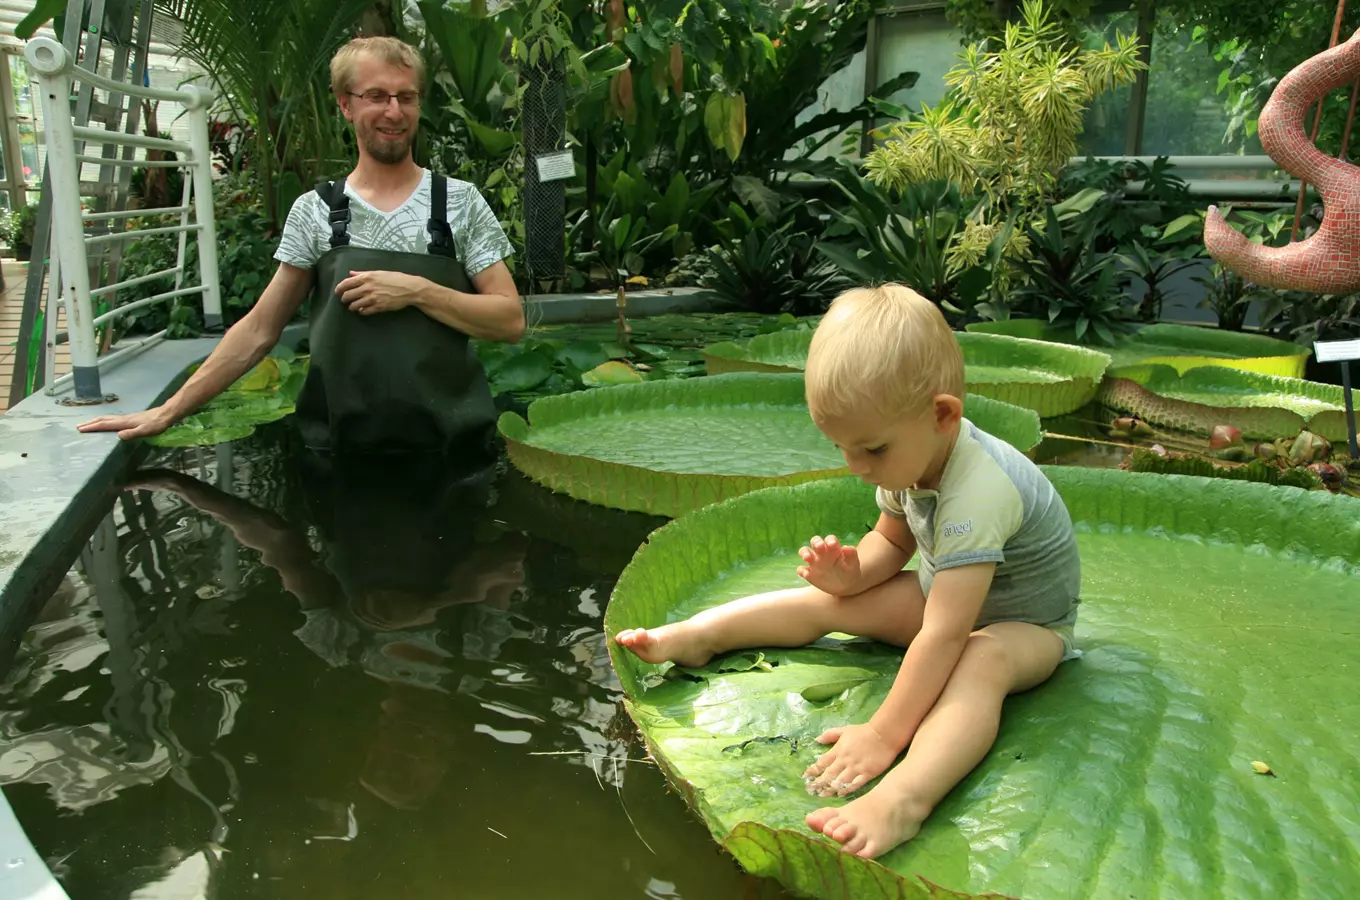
378	292
133	425
830	566
861	754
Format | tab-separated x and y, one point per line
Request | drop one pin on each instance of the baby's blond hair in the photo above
389	50
883	349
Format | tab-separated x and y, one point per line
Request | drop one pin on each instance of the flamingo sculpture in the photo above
1327	262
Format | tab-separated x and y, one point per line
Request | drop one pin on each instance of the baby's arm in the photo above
956	597
845	570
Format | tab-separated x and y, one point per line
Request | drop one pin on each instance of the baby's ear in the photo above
948	411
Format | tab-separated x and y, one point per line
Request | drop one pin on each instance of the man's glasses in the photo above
382	98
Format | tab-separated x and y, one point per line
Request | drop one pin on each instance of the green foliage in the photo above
1011	120
267	393
245	264
1256	470
773	268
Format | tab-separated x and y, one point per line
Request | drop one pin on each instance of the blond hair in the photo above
388	50
883	349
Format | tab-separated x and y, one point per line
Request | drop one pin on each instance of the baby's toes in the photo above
843	832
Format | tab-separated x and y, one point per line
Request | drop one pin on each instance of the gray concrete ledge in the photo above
553	309
56	483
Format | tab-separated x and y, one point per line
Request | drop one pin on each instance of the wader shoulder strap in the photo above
333	195
441	236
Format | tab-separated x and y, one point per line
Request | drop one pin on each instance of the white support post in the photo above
203	210
52	65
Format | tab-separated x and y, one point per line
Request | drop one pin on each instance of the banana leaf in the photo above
1182	347
1262	406
1217	622
267	393
667	447
1050	378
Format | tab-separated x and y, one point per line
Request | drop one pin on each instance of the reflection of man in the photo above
402	267
398	544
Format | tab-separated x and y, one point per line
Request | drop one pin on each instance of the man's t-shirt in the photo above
994	505
476	233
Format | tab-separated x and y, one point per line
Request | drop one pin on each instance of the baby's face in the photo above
895	454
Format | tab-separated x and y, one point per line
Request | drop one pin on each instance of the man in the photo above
402	267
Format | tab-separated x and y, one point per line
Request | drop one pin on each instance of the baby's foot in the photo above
870	825
674	643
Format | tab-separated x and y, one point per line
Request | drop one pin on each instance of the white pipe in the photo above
50	311
114	359
102	136
204	214
134	213
132	282
135	163
50	58
136	233
55	90
186	205
144	302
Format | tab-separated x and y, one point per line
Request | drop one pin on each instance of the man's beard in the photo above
384	150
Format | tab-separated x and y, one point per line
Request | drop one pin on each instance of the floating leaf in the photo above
1195	644
666	447
1260	406
612	372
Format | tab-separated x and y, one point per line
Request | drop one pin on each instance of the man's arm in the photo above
244	345
494	312
956	598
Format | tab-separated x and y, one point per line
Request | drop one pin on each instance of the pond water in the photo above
253	683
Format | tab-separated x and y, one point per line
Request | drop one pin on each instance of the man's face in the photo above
386	128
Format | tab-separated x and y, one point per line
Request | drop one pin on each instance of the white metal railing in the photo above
55	73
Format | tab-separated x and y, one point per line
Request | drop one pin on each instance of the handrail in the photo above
55	75
101	136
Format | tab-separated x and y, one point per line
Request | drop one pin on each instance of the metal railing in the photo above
55	73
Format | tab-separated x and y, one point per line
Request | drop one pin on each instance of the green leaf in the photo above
43	11
1262	406
1177	225
521	373
669	446
715	119
1180	346
758	196
583	356
1186	584
265	394
1078	203
1051	379
612	372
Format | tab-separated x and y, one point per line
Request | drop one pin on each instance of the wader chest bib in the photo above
394	381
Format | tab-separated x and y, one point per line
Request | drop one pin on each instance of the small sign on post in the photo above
1344	352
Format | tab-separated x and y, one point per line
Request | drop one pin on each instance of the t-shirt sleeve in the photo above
973	526
889	503
481	241
302	239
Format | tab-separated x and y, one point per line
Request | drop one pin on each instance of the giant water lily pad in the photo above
667	447
1262	406
267	393
1218	625
1051	379
1182	347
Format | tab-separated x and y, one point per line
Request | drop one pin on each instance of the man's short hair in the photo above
389	50
885	350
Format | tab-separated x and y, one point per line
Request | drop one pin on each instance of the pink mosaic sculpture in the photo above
1327	262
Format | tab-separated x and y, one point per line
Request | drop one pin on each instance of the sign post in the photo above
1344	352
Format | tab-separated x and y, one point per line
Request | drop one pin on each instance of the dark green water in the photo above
226	699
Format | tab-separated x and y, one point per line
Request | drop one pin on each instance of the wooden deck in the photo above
11	309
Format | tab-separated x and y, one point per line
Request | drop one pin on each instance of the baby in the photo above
990	611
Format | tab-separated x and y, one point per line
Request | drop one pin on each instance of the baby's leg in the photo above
890	612
1000	659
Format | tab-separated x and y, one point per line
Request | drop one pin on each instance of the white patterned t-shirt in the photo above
477	234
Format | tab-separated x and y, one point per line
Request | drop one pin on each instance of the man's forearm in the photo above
925	670
240	349
492	317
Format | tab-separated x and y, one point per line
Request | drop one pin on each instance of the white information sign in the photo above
1337	351
557	166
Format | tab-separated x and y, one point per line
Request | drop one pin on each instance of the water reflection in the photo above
281	680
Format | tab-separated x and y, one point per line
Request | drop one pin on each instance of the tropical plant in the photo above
1165	543
1227	293
1010	122
1067	283
916	240
1155	268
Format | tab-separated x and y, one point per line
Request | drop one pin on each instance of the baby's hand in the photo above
830	566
